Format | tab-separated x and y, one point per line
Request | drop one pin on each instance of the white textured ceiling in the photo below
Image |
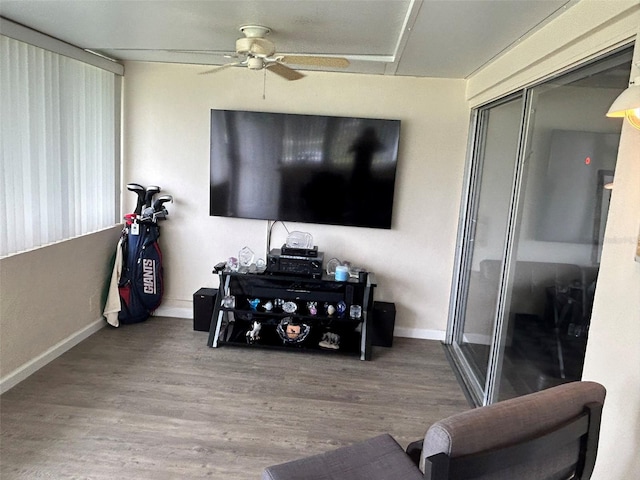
430	38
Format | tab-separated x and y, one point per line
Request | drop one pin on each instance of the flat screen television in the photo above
303	168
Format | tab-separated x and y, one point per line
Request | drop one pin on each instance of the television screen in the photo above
303	168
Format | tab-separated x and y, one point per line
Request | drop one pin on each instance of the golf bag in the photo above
140	286
137	280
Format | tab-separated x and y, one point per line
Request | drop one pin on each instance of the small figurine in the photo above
245	257
289	307
253	303
330	340
330	309
232	264
229	301
253	335
341	308
312	307
268	306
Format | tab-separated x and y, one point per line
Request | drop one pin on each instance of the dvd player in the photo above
300	265
299	252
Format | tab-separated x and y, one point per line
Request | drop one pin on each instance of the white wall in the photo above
166	142
613	351
52	298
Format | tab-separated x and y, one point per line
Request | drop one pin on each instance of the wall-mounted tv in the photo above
303	168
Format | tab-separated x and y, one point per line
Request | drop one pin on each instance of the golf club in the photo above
140	191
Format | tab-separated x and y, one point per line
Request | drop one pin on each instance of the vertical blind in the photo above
57	147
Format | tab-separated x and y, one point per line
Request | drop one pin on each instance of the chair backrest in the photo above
547	435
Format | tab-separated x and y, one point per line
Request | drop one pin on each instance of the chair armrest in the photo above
414	450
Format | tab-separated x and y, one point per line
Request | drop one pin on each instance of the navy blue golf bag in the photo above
136	286
140	284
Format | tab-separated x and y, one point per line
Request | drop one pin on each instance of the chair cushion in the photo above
379	458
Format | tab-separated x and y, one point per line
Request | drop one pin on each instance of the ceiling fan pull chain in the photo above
264	83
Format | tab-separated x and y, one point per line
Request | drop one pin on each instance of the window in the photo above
59	145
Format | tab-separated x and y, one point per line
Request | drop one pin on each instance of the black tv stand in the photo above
229	325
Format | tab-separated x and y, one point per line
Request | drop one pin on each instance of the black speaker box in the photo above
384	320
203	303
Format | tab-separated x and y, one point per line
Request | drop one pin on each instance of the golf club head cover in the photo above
160	201
150	192
140	191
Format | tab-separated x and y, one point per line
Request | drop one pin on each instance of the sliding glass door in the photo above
498	134
531	230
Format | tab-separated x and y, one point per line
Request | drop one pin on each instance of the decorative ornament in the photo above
253	335
289	307
245	257
292	332
253	303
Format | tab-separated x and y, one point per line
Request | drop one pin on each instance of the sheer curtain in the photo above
57	147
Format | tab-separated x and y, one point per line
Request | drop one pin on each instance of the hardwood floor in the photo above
152	401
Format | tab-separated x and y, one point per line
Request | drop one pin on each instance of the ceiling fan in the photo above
258	53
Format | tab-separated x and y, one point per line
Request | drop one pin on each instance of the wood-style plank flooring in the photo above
152	401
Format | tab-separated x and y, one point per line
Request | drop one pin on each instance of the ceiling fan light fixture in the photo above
627	105
255	63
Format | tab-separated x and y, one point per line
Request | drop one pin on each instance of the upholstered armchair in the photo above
547	435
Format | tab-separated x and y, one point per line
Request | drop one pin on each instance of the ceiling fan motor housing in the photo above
259	47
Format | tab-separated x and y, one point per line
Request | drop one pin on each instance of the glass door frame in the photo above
505	290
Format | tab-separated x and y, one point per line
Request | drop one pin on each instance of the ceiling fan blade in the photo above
284	71
337	62
220	67
209	53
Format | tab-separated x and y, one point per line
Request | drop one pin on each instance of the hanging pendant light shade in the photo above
628	104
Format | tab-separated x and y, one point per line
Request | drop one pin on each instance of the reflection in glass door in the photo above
572	149
529	241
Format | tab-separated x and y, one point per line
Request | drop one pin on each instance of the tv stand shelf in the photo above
277	293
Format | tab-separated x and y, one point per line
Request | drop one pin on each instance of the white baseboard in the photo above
422	333
174	312
35	364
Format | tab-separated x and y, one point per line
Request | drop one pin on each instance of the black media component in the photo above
299	252
203	303
303	168
384	320
295	264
